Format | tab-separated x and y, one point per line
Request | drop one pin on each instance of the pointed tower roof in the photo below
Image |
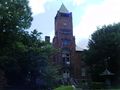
63	9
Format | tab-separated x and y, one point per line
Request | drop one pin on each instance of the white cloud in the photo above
38	6
78	2
105	13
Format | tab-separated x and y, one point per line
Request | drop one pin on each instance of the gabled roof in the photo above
63	9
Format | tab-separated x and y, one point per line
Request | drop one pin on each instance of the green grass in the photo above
64	88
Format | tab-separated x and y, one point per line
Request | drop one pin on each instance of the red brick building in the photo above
68	58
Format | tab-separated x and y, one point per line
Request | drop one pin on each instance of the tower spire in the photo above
63	9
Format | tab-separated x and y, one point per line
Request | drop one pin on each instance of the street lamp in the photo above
106	73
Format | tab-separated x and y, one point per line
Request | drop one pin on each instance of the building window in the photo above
83	72
66	74
66	58
66	32
66	42
65	14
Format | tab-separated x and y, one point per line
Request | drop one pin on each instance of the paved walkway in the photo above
74	88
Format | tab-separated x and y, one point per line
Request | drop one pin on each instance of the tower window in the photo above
65	14
66	42
66	32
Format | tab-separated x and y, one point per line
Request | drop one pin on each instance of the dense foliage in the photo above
24	57
104	52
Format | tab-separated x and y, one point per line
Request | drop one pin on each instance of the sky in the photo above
87	16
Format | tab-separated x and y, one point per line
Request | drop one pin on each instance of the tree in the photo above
104	45
24	57
15	15
28	62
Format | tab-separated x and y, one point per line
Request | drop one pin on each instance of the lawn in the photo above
64	88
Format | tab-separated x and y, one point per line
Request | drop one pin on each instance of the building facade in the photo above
67	57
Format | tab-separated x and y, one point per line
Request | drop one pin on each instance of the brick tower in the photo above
64	41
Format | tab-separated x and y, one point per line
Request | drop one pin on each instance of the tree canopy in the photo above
25	60
14	15
104	45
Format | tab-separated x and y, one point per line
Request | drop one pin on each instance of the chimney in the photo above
47	39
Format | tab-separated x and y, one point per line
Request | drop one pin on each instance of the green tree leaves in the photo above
24	57
104	43
14	15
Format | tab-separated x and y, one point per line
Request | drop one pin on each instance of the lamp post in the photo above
107	74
